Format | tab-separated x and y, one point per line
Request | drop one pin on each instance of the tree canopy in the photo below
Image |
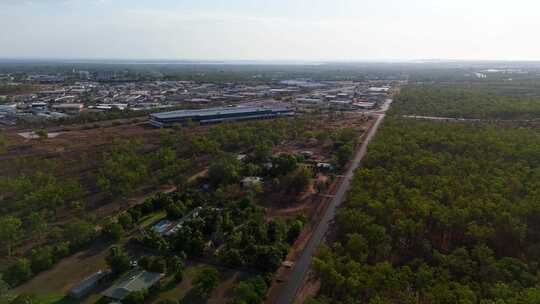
439	213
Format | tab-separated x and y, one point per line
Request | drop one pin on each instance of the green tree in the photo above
295	228
171	168
206	281
176	210
42	134
175	264
19	272
123	170
79	233
36	223
113	231
136	297
251	291
262	152
126	220
297	180
284	164
5	295
118	260
343	154
42	259
10	231
224	171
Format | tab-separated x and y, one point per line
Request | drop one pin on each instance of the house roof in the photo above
133	281
212	112
88	283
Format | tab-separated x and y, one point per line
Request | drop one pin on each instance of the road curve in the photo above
301	267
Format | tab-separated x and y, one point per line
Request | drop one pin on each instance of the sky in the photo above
305	30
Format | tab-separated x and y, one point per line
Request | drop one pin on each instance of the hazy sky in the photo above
271	29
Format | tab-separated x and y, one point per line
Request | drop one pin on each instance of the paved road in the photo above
301	267
440	118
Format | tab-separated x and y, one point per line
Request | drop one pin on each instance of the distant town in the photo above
52	97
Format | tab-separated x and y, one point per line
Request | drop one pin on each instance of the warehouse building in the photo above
216	115
135	280
82	289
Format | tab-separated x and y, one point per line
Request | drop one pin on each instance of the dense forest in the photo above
458	102
439	213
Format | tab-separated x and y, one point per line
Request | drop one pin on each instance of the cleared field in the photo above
66	273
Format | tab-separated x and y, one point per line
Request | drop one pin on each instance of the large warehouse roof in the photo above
210	112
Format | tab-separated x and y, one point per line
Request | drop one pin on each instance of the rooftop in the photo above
211	112
88	283
133	281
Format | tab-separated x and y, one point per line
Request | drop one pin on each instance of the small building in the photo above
39	106
307	154
288	264
162	226
309	100
241	157
84	287
199	100
324	167
72	108
251	181
135	280
178	224
364	105
379	89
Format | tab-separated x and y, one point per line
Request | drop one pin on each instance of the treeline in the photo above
456	102
439	213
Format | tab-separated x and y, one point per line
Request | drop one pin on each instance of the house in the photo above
309	100
84	287
288	264
162	226
72	108
251	181
324	166
364	105
177	225
268	165
241	157
135	280
307	154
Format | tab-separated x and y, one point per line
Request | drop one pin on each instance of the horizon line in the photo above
260	61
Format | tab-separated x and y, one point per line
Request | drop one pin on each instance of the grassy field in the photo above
68	272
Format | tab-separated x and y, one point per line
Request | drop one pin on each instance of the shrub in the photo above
19	272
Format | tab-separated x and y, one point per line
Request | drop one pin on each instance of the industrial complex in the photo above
216	115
